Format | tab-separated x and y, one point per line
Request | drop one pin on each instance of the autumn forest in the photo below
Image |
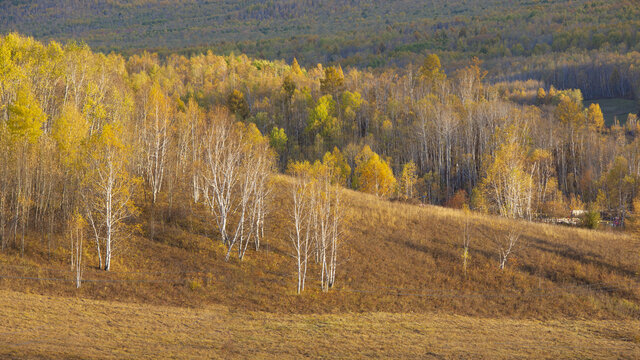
248	159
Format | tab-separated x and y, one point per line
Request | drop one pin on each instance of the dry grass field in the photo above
400	292
44	327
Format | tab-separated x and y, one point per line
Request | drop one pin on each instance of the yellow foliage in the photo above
69	132
508	185
595	119
26	117
408	179
431	70
337	163
570	113
373	175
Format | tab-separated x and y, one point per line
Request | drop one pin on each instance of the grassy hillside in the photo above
400	292
613	109
42	327
395	258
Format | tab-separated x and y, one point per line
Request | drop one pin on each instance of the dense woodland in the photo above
364	33
88	140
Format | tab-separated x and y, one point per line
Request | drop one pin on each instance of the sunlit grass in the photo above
44	327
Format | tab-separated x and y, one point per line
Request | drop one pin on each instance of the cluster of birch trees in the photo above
104	138
85	146
237	162
316	216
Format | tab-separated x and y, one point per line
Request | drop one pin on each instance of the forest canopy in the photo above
414	131
363	33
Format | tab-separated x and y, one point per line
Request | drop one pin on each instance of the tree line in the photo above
87	140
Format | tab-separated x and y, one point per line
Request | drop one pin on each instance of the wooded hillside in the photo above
393	257
364	33
352	173
413	133
121	161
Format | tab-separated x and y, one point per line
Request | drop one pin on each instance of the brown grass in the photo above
400	293
396	258
43	327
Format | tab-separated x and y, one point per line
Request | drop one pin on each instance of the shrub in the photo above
458	200
591	219
194	285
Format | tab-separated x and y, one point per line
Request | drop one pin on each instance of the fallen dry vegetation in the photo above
44	327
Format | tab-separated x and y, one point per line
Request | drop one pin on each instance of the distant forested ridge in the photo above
356	32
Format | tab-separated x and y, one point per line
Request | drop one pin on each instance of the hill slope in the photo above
395	258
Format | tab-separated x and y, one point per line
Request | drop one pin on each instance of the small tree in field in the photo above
77	225
466	239
507	246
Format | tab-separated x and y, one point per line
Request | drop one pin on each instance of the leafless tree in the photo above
334	236
466	242
156	127
220	174
300	235
234	177
76	238
327	225
316	216
507	246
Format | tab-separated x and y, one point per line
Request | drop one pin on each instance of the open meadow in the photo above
44	327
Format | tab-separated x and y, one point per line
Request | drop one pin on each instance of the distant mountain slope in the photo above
355	32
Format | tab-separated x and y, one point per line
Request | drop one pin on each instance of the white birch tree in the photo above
301	217
76	229
507	246
237	163
156	133
316	219
108	191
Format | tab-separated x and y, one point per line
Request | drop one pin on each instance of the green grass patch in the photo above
615	109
